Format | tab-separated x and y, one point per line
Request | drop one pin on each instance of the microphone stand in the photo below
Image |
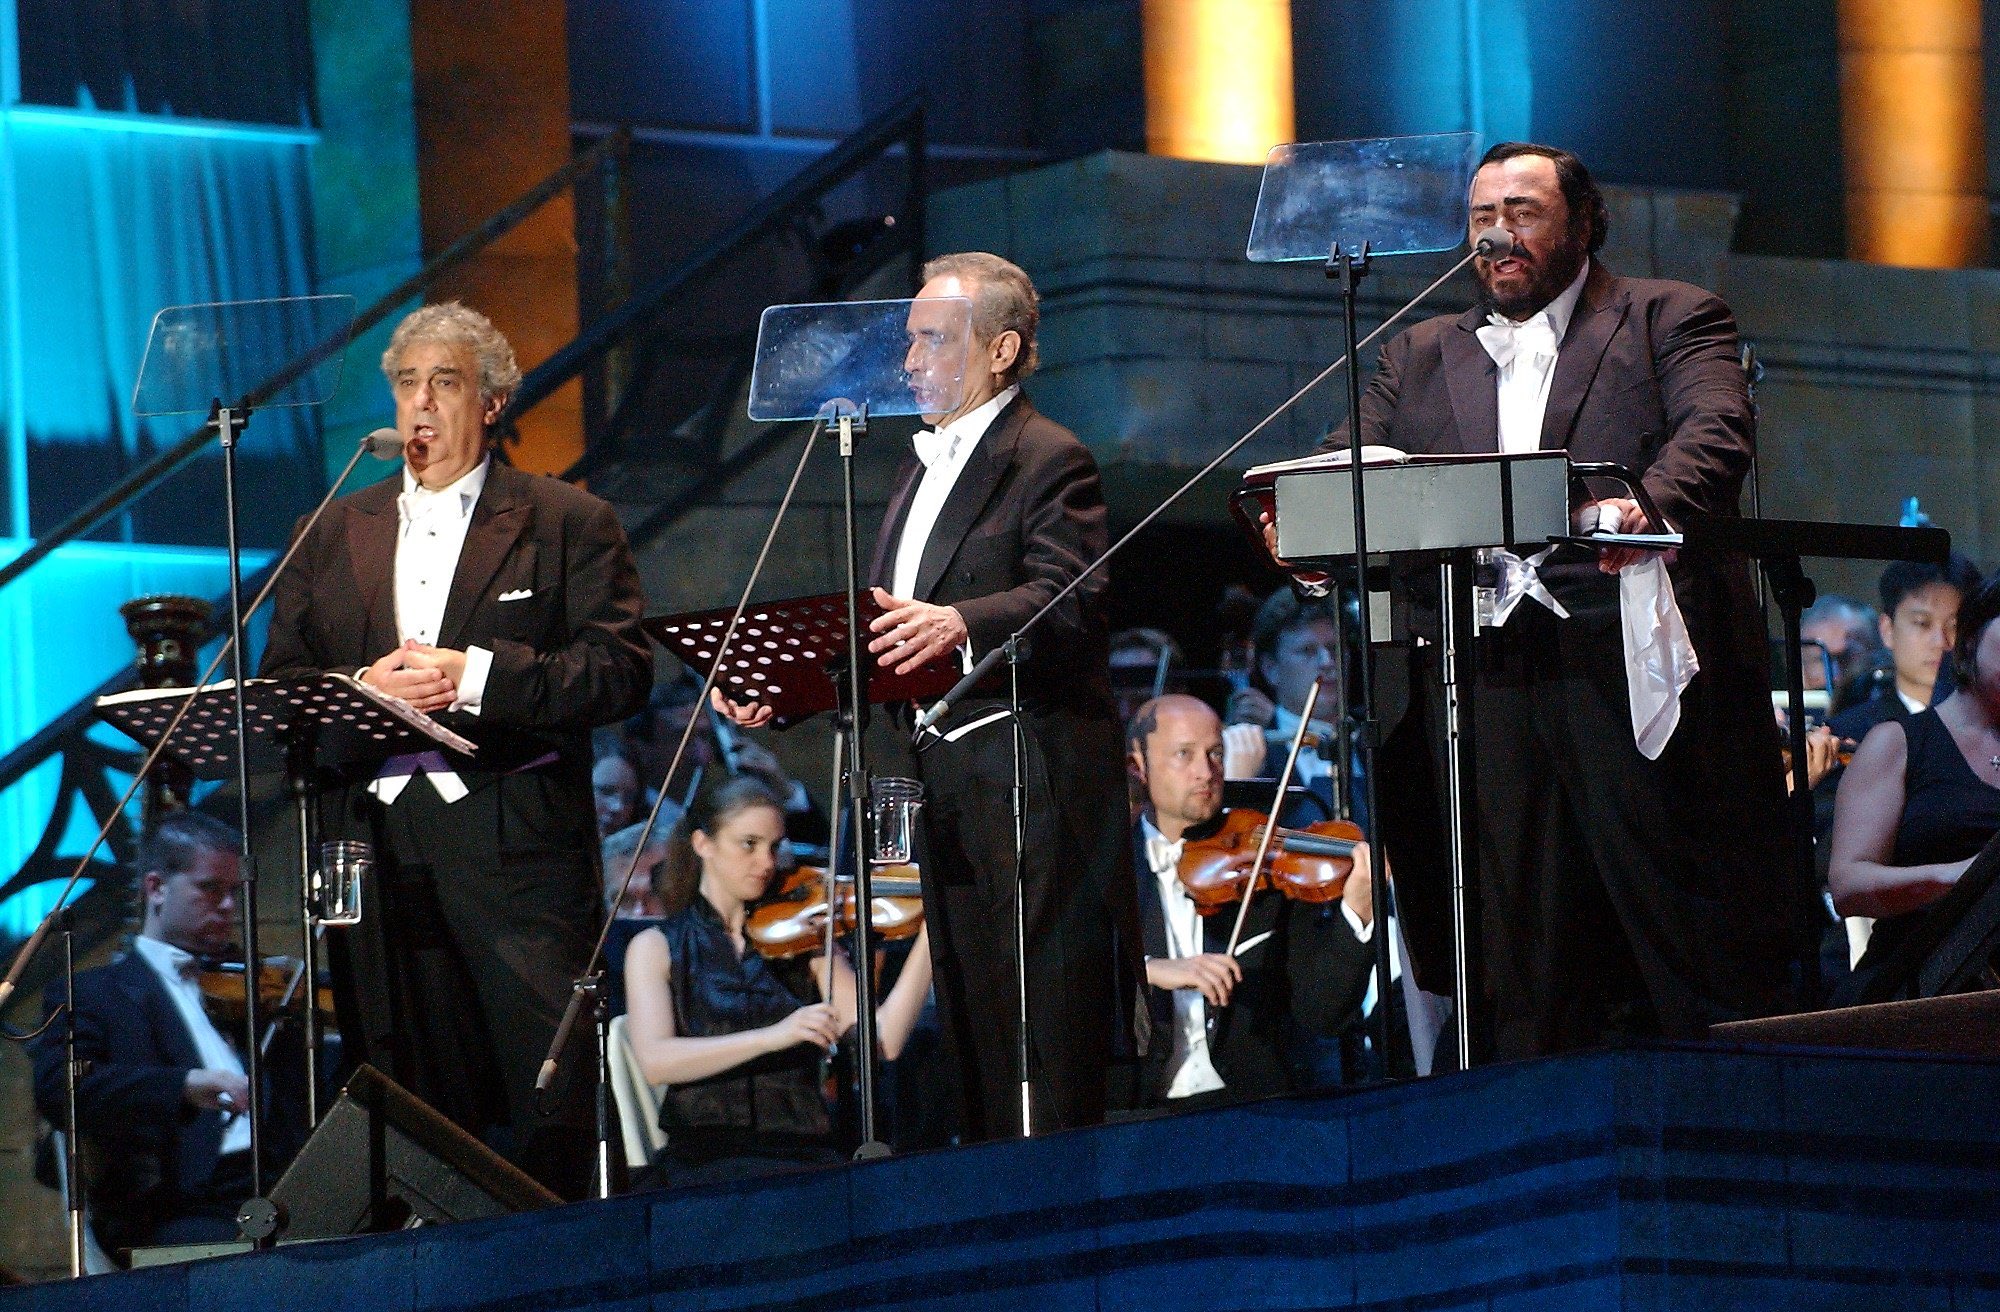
376	443
589	984
1490	242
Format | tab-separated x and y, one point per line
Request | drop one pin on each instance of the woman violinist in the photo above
1922	795
733	1038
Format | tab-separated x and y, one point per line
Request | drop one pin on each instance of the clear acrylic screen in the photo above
894	357
256	353
1401	195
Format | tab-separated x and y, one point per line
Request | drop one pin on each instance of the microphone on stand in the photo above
1494	243
384	444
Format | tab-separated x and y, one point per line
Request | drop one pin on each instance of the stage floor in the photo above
1671	1178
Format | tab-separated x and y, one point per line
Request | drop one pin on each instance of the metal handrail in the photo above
147	476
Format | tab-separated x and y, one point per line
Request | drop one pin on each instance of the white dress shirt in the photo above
176	970
1312	765
955	443
429	540
1526	354
1189	1070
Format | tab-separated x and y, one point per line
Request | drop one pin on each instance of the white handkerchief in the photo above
1659	658
1521	578
518	594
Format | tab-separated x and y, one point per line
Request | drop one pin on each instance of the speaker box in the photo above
382	1159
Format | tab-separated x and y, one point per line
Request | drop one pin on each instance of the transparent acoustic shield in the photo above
248	355
889	357
1400	195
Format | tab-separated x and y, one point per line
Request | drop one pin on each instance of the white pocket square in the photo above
518	594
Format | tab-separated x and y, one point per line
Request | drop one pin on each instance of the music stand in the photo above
1345	202
839	363
212	359
302	727
792	656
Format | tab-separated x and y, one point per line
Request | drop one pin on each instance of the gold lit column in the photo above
1218	78
492	113
1911	132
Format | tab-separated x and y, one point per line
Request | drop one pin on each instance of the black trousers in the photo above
1617	897
1078	844
482	915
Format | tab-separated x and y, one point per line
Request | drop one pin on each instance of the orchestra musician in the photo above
995	511
506	605
161	1105
1922	795
1227	1027
730	1033
1618	895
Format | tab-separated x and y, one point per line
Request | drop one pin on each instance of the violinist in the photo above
162	1104
730	1033
1922	796
1227	1027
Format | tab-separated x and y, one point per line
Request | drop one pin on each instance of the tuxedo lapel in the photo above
372	525
908	475
1474	383
171	1039
976	483
500	516
1599	311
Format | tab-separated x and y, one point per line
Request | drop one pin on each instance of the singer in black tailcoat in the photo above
1620	897
1022	513
485	906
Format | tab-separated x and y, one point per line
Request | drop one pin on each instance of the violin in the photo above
280	989
1309	864
793	921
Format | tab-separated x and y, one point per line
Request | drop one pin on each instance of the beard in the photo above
1547	278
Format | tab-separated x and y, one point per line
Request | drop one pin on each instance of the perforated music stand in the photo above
792	656
330	722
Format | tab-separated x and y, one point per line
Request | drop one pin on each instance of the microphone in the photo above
384	444
1494	243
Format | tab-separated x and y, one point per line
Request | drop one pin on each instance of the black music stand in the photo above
792	656
304	728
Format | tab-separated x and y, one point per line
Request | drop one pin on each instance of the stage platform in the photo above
1678	1178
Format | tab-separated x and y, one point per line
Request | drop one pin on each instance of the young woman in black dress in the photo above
1922	795
733	1036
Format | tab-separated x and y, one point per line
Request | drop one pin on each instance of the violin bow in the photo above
1271	821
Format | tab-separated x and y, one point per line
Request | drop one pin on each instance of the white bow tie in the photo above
933	445
424	506
1504	339
1162	855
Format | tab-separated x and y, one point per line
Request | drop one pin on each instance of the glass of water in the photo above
893	805
337	885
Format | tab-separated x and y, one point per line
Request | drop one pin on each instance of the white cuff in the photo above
1362	933
478	663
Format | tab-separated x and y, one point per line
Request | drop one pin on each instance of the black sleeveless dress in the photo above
766	1115
1949	813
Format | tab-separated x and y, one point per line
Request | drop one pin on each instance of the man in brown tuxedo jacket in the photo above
508	606
1618	896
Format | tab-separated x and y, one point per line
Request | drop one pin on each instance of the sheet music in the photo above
1370	455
